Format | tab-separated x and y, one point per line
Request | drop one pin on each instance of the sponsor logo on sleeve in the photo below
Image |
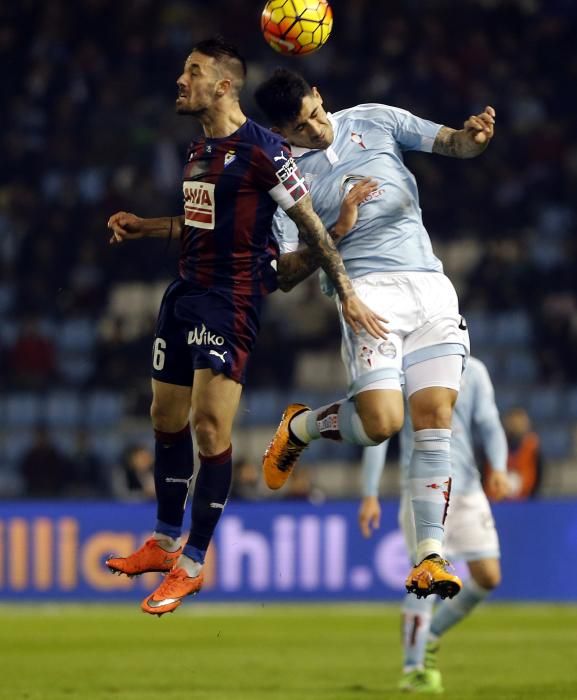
287	170
199	204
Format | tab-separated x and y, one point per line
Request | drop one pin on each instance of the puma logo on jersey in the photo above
220	355
199	204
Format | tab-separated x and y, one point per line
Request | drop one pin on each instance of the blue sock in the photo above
417	614
208	502
173	469
430	486
453	610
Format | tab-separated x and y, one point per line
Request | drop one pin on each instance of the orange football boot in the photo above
150	557
282	453
432	577
177	584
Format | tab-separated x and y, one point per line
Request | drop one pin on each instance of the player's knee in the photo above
380	427
168	419
212	438
489	579
433	416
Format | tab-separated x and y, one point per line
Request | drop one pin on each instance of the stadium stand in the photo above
87	90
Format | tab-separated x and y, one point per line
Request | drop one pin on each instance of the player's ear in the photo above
222	87
317	95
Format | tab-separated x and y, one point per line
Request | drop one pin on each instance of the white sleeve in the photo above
285	231
411	132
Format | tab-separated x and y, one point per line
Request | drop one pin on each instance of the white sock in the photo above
169	544
298	425
192	568
337	421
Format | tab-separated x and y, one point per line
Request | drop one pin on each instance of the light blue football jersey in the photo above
475	422
369	142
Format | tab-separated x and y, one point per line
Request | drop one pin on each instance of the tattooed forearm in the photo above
295	267
457	144
322	248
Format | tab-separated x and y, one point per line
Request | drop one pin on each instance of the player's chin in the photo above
323	141
181	106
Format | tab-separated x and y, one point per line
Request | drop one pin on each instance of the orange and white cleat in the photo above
432	577
177	584
283	452
150	557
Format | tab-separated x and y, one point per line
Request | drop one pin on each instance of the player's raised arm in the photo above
471	140
314	234
127	227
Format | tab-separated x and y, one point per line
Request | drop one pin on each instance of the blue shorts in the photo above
201	328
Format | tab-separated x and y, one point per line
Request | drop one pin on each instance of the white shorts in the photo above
470	532
424	323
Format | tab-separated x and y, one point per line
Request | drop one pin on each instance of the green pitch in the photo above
276	653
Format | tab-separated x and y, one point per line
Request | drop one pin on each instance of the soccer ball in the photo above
296	26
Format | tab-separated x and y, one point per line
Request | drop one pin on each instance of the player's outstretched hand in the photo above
480	127
125	227
358	315
369	515
349	212
498	485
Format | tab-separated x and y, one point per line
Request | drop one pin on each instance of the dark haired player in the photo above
235	177
388	255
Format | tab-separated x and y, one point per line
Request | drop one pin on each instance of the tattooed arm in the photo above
324	253
471	140
297	266
321	248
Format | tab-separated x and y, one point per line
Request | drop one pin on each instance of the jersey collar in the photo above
329	152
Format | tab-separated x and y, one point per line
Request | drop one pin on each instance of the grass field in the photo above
286	652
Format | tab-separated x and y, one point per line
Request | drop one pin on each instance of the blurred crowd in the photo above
87	127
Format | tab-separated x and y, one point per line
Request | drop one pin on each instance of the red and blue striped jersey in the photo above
232	187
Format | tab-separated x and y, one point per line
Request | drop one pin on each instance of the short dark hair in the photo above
218	48
281	96
223	52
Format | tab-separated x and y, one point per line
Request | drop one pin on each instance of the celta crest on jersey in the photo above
366	354
198	204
